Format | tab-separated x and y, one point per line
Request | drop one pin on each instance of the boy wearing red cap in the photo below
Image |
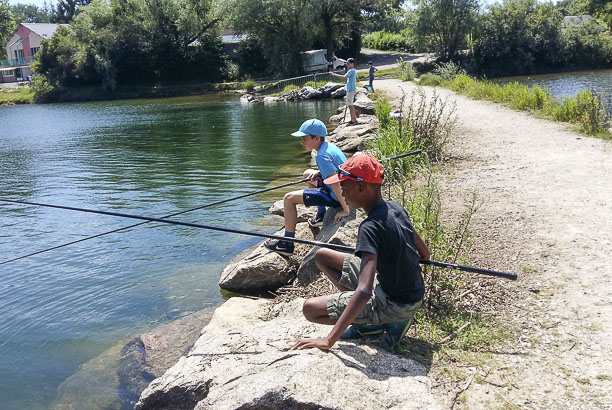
381	284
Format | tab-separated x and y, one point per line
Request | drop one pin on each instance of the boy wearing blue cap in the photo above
329	158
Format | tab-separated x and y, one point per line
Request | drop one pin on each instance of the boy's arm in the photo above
345	209
343	76
356	304
421	247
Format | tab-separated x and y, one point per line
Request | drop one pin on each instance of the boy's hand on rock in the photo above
323	344
340	215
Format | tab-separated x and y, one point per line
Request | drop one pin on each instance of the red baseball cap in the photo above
362	167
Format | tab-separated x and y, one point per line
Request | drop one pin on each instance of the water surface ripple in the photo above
146	157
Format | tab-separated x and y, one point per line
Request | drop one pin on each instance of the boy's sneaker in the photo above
316	221
281	247
358	331
394	332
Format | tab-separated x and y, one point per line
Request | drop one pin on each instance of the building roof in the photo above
45	30
233	38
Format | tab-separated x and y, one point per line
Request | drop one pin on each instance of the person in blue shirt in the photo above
371	71
312	135
351	88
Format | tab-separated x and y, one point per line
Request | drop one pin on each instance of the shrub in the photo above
405	70
449	71
430	79
461	82
431	121
586	108
382	110
382	40
249	85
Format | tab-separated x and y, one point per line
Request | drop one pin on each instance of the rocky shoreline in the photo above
242	358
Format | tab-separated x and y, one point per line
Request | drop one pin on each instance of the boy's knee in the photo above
292	197
308	309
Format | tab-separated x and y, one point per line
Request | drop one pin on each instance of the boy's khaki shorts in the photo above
379	310
350	97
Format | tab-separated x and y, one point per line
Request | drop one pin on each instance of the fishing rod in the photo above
489	272
341	248
180	213
163	217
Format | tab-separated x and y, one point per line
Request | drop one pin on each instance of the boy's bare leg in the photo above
352	110
315	310
330	262
290	202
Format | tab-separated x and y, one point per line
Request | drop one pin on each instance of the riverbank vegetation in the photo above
426	124
11	96
114	45
586	109
510	38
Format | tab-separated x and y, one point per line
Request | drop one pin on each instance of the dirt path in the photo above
547	215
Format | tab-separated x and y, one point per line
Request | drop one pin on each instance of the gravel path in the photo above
547	215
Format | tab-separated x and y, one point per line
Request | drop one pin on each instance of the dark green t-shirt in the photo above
388	233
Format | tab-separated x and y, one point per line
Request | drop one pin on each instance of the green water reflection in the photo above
60	309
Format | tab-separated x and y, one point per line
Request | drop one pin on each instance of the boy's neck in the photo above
318	145
372	203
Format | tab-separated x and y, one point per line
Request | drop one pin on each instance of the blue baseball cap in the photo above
311	127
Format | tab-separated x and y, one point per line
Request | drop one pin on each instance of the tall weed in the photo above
445	244
406	71
430	121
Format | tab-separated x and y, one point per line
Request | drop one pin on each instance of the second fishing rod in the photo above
253	193
340	248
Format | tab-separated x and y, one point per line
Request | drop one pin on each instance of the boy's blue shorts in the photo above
320	196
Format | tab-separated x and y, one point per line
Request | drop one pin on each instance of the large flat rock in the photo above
242	360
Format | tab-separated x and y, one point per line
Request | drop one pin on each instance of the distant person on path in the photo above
381	284
329	157
351	88
371	72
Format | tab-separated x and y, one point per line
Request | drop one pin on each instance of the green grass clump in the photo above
430	79
290	87
22	95
405	71
249	85
585	109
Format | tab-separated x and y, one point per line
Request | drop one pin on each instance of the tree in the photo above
29	13
446	24
285	28
67	9
7	25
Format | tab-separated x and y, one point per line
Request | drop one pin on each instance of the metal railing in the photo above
16	62
318	79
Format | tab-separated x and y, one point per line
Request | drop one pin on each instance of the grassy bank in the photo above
10	96
585	110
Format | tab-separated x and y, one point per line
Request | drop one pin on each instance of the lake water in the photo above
62	308
562	85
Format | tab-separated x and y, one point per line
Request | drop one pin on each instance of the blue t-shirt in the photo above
371	72
350	81
329	158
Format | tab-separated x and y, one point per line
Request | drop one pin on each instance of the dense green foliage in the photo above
285	28
134	42
29	13
445	24
525	37
7	24
383	40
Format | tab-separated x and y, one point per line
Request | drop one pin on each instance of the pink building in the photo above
21	48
